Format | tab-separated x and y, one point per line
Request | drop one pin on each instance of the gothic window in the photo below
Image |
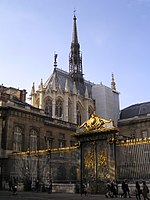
59	108
78	118
48	107
69	112
17	140
78	115
37	103
33	140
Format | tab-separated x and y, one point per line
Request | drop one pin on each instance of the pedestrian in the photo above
109	193
84	189
37	185
115	188
145	191
14	186
123	187
127	189
33	186
138	191
112	189
10	184
50	187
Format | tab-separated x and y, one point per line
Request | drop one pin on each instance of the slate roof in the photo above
61	77
135	110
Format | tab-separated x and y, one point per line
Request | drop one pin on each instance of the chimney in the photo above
23	95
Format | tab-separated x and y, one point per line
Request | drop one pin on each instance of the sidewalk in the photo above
7	195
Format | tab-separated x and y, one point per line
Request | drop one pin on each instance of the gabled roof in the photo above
60	79
135	110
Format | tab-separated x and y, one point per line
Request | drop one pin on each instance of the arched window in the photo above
59	108
69	112
17	139
37	103
33	140
48	107
78	115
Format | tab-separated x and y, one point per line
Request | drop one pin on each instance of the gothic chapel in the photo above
69	97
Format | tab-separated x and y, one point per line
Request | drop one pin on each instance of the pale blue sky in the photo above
114	36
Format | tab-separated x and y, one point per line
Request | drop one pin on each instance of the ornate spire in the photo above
66	86
113	84
74	34
33	89
86	93
74	91
41	85
75	59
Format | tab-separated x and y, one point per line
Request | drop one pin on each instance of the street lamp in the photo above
50	172
48	145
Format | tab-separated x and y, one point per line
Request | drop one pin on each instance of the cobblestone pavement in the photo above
7	195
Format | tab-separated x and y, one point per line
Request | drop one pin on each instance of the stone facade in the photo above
69	97
26	128
133	152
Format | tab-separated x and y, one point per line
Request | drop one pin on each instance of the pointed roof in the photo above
75	70
75	58
86	93
74	34
33	89
41	85
61	76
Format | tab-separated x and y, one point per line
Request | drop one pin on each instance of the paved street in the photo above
6	195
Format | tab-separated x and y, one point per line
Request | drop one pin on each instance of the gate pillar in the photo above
97	152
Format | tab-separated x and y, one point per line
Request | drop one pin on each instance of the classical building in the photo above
26	128
69	97
134	151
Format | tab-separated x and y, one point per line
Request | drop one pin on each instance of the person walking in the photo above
109	192
112	188
115	183
84	189
123	187
10	184
138	191
14	186
37	185
127	189
145	191
50	187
